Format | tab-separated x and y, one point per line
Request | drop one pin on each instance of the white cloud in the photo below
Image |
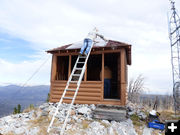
48	24
19	73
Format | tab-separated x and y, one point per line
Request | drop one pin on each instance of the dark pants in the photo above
107	88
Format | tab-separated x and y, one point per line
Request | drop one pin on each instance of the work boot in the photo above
80	53
85	54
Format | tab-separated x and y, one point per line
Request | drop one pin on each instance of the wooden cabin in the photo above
116	55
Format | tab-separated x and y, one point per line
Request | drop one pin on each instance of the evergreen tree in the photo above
19	108
47	100
15	110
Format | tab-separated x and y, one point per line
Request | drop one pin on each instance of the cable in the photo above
36	71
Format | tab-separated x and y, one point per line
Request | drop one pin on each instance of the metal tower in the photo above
174	36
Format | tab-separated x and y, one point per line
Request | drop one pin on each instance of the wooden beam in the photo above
95	52
53	73
85	74
65	81
102	76
109	102
69	70
123	76
53	68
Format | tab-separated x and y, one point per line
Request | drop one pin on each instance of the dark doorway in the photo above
94	67
111	61
62	67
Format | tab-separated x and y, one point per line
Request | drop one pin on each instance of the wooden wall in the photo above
123	83
91	92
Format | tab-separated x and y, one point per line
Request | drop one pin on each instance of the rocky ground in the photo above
34	121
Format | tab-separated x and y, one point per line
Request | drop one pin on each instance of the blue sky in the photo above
29	28
15	49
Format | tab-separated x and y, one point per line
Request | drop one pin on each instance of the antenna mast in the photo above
174	36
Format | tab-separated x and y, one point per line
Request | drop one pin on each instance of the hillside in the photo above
35	121
12	95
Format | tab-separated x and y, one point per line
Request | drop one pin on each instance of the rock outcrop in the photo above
35	122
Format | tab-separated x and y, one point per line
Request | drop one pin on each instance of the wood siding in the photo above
90	92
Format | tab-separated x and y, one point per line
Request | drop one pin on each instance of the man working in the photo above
88	41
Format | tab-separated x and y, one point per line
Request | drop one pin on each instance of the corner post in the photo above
102	76
53	73
123	76
69	70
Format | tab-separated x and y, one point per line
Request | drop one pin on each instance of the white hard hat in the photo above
153	112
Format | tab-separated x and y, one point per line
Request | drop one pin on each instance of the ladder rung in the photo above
57	128
81	62
78	68
76	74
67	97
82	56
73	81
70	89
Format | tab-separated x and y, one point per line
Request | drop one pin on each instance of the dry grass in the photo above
136	120
71	132
168	115
157	132
104	124
138	124
42	131
138	129
40	121
9	133
30	108
85	124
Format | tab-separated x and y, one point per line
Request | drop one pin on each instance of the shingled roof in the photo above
101	44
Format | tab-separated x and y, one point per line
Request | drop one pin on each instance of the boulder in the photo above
84	110
142	115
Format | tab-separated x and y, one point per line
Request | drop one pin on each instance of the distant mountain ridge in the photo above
12	95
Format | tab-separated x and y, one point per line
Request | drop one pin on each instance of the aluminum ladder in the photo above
80	60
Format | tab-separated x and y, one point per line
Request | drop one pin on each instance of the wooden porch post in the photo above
123	76
69	70
53	73
85	74
54	68
102	76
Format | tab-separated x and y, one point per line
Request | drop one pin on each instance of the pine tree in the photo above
15	110
47	100
19	108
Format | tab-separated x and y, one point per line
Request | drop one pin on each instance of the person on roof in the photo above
88	41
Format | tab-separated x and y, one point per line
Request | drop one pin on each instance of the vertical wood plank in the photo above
53	68
102	76
123	76
119	75
69	70
85	74
53	73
